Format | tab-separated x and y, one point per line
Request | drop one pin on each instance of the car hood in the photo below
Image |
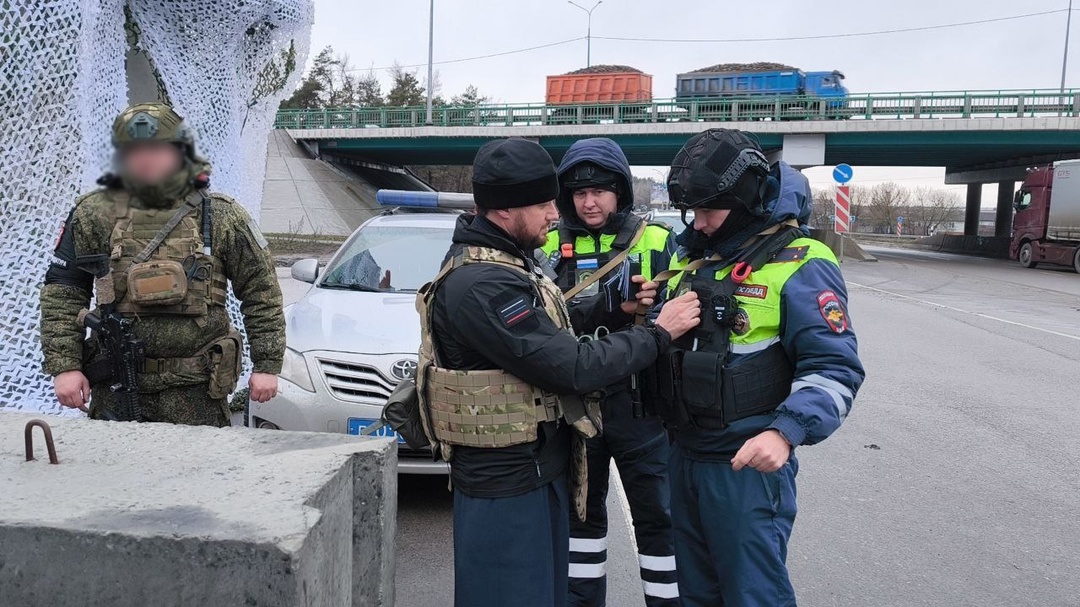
353	321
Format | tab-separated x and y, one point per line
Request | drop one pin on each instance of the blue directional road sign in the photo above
899	220
842	173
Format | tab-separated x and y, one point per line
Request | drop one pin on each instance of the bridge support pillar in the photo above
1003	217
971	213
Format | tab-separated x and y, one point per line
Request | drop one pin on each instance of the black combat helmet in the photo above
719	169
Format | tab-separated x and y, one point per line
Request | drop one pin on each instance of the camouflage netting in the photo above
225	64
605	69
761	66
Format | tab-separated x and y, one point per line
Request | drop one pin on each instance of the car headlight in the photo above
294	369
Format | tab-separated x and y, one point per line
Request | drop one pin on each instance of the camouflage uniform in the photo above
178	394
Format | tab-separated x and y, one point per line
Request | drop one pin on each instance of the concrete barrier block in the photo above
153	514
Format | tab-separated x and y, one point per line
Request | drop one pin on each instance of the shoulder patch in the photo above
832	311
257	234
515	310
791	254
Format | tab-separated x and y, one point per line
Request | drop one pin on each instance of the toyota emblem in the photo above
403	370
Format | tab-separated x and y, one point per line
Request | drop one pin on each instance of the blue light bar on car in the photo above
425	200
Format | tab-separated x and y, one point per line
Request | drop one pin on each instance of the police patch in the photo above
832	311
754	291
741	326
257	234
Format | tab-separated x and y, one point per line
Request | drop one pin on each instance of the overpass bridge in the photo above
980	137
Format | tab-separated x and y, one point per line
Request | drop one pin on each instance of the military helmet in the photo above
152	122
718	169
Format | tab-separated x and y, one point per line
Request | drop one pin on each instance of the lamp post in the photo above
588	35
430	64
1065	57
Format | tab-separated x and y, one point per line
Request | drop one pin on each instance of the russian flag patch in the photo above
515	311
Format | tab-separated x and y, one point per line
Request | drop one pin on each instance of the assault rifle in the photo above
124	351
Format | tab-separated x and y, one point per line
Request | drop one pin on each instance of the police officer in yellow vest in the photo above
596	203
158	250
773	366
502	379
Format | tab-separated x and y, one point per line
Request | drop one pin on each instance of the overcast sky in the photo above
1016	54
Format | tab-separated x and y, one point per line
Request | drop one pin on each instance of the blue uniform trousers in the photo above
512	550
731	532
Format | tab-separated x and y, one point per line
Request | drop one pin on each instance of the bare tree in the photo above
824	208
886	202
931	208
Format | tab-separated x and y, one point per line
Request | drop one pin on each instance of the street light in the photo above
588	35
430	64
1065	58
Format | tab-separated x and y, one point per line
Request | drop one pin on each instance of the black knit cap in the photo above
512	173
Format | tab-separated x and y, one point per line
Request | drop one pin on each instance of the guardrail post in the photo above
776	109
734	111
967	106
869	108
325	119
615	113
509	116
1076	103
693	110
917	108
654	111
1020	106
544	115
580	113
382	117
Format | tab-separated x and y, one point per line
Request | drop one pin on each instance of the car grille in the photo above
355	382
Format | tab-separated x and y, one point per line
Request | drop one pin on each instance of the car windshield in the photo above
389	259
673	220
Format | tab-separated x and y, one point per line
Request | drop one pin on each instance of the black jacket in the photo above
471	334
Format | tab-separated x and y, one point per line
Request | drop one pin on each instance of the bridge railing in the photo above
876	106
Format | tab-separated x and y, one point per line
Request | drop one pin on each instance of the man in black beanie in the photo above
501	388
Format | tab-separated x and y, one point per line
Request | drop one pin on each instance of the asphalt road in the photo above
953	481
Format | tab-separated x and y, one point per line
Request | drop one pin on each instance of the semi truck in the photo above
1046	227
599	87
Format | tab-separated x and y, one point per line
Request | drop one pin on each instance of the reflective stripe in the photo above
588	571
839	392
581	544
662	591
755	347
657	563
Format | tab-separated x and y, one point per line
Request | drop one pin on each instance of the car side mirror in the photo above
305	270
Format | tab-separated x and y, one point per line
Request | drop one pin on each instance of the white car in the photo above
355	334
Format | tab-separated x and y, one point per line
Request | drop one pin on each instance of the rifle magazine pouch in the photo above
757	385
226	363
701	383
157	283
402	413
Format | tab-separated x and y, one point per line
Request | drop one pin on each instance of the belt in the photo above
192	364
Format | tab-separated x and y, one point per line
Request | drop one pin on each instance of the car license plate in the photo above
357	425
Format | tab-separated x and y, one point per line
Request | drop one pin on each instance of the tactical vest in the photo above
733	366
177	278
590	254
488	408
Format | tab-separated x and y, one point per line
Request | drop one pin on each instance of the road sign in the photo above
843	209
842	173
899	220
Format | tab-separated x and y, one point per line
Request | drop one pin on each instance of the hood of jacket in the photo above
788	196
608	155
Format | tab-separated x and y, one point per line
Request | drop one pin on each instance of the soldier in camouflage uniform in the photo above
175	290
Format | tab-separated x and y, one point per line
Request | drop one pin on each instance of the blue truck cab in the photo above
704	85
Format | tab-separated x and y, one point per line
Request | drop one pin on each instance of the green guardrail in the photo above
876	106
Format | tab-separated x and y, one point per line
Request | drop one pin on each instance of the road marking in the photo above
625	503
962	311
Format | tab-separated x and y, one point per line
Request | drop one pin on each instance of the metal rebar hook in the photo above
47	431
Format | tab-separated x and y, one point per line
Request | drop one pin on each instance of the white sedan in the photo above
355	334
